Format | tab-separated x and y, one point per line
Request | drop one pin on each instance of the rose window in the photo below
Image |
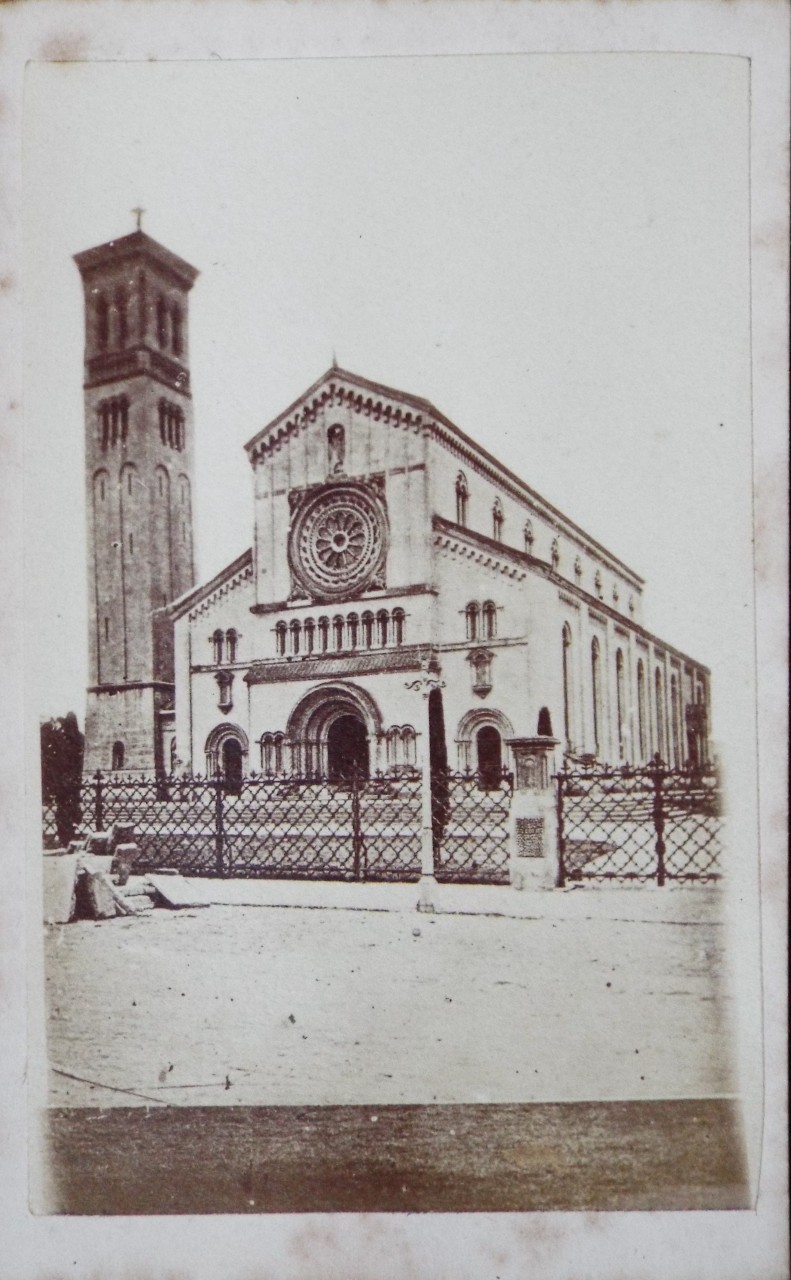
337	542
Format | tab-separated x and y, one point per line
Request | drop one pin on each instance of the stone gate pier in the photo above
533	833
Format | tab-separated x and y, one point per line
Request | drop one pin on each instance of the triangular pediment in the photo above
338	387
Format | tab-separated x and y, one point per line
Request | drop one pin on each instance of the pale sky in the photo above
553	249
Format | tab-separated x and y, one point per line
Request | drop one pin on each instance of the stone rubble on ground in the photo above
91	880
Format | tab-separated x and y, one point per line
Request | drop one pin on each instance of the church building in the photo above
406	599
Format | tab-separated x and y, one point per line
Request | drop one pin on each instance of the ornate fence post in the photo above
561	878
659	820
98	802
219	832
427	680
357	841
534	855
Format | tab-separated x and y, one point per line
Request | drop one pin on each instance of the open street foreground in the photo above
377	1025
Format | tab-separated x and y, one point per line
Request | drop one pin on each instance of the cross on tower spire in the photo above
139	215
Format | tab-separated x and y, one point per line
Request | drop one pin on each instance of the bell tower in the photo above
139	449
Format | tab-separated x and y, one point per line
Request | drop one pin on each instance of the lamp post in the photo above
425	684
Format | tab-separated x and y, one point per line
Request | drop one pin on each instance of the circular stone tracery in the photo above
337	541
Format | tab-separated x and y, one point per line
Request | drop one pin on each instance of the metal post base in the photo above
428	893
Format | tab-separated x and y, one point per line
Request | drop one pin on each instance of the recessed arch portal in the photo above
227	750
332	730
468	741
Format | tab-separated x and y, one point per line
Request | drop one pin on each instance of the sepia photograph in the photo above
392	773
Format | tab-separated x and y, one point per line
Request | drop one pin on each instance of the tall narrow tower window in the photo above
102	322
104	425
122	315
162	322
175	328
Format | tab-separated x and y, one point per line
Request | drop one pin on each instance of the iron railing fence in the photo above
310	827
266	826
49	824
639	824
470	816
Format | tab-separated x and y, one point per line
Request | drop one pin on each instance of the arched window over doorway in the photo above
232	758
118	755
347	749
489	751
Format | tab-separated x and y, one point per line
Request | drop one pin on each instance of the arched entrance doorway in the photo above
232	765
332	729
489	746
226	755
347	748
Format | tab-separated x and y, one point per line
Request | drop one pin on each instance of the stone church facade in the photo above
406	598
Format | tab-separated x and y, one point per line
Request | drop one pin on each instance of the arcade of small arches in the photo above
367	630
337	732
112	322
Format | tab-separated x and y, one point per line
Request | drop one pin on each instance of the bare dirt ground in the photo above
597	996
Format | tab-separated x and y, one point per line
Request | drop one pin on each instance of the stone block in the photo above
97	895
98	843
175	891
122	833
60	876
124	858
